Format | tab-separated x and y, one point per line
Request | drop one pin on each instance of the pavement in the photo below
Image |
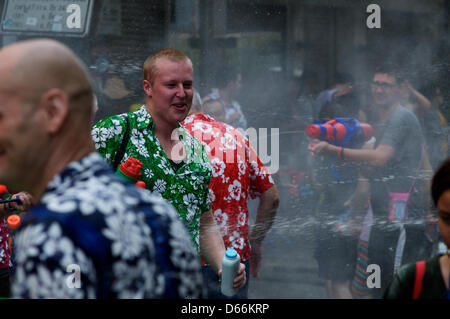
288	270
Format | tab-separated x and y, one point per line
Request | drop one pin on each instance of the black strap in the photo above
176	165
121	151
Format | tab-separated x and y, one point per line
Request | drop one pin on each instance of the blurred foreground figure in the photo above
237	173
429	279
91	235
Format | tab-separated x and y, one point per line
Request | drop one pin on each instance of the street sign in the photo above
47	17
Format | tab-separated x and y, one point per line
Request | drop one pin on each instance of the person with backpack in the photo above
430	278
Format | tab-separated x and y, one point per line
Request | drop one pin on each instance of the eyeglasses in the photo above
383	85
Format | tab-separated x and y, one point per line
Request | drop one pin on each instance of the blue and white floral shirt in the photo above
96	236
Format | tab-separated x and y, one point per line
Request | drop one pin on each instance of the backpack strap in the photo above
121	151
420	272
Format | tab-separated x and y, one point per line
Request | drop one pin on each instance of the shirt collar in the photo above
144	119
199	117
88	165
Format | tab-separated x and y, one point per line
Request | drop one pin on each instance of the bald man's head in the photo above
36	66
46	107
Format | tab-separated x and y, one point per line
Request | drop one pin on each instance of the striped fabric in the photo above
359	282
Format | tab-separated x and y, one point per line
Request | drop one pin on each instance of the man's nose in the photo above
377	89
181	91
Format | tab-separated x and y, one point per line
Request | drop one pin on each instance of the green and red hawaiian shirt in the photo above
187	189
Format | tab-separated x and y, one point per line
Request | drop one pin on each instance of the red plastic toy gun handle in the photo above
131	171
131	168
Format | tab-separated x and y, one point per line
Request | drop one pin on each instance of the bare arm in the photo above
212	248
267	210
423	103
373	157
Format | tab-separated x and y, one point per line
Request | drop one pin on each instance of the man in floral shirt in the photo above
91	234
174	163
237	174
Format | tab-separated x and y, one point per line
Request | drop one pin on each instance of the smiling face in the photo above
384	89
170	93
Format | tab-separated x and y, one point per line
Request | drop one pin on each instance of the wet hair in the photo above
225	75
346	105
441	181
430	90
170	54
391	69
343	78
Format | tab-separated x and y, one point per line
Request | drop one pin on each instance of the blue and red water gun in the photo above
342	131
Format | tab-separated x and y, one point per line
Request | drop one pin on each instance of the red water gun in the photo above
131	171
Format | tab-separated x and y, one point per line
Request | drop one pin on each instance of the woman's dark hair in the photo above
441	181
346	105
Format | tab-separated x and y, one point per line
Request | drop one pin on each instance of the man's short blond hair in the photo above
174	55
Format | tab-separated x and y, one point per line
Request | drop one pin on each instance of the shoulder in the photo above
86	187
404	114
133	118
114	120
402	285
97	191
190	141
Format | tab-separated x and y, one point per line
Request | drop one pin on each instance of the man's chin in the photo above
381	104
180	116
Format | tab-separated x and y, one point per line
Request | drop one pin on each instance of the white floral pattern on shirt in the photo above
237	173
90	217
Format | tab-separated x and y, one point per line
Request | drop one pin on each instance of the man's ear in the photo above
55	108
147	87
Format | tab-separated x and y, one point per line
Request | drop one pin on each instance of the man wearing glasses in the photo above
393	168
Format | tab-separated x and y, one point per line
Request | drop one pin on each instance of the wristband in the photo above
339	151
341	155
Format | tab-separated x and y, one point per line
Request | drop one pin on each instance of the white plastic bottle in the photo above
230	267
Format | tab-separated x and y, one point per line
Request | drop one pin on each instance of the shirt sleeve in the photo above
49	265
107	136
399	127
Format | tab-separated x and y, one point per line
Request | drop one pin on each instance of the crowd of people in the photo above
374	199
199	170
